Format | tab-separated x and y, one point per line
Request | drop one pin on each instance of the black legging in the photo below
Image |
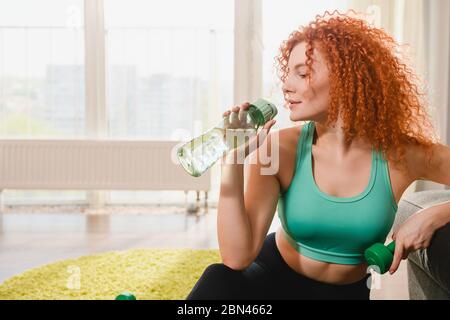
269	277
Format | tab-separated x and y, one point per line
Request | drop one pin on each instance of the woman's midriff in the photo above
318	270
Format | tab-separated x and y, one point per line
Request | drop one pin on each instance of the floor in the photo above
28	240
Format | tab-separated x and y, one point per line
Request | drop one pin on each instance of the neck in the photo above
333	139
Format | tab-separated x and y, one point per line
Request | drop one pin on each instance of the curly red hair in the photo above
375	93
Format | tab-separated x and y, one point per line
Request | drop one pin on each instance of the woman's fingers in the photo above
398	255
243	117
234	117
237	118
226	119
243	114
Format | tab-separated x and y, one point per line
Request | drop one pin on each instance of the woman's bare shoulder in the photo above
289	136
286	140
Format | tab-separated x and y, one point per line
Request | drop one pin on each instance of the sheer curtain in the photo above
437	36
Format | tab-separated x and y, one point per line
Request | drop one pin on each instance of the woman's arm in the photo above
233	225
417	231
436	170
441	214
244	216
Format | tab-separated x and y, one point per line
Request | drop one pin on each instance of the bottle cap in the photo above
262	111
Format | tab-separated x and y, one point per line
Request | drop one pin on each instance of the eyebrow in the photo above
298	65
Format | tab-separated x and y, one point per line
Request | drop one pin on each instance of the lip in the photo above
292	104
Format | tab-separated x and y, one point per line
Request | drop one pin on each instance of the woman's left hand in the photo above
414	234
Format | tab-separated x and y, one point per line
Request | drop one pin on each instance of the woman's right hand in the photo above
237	118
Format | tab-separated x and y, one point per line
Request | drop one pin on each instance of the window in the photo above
170	64
169	68
42	77
41	68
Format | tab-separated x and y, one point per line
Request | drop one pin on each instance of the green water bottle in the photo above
199	154
380	256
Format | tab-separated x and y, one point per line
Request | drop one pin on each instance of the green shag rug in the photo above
156	274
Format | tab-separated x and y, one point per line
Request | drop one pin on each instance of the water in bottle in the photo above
199	154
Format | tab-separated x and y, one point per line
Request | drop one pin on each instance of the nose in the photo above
287	88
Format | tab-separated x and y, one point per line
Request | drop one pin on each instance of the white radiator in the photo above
94	165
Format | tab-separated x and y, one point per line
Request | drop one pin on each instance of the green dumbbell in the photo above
380	255
126	296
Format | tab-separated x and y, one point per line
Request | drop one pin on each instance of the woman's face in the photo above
314	95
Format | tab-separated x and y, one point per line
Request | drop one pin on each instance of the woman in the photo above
341	174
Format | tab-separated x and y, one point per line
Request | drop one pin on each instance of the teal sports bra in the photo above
329	228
